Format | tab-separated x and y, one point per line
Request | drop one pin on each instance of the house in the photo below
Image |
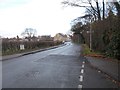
45	38
60	37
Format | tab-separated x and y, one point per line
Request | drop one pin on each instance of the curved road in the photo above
62	67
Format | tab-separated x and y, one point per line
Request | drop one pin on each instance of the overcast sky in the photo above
48	17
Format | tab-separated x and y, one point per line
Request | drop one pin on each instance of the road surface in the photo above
62	67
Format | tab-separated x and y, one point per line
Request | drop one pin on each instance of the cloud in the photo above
12	3
46	16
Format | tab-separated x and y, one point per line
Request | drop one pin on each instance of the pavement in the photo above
108	67
7	57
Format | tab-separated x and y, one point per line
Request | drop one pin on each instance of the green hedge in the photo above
10	47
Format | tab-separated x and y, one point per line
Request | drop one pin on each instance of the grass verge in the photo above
86	52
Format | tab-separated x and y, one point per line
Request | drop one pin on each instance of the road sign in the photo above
22	47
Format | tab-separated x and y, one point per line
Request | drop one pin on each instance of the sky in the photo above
48	17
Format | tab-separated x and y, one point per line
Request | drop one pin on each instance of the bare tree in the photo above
29	33
103	9
93	9
117	5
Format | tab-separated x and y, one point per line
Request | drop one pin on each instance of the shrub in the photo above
9	47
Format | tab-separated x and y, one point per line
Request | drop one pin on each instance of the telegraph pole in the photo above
91	34
90	37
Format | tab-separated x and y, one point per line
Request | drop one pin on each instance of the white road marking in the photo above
83	62
82	70
81	78
79	86
83	66
99	71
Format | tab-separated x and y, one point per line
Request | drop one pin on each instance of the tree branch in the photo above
73	4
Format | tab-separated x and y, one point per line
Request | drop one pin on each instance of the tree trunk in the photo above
98	10
117	5
103	10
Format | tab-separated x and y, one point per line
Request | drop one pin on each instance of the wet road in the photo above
62	67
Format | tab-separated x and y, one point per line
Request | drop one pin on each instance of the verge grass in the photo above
87	52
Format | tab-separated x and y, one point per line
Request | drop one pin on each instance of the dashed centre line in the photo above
81	78
79	86
83	66
83	62
82	71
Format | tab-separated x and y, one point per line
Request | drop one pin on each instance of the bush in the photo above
113	49
9	47
86	49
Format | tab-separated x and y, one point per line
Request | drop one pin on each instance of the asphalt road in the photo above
62	67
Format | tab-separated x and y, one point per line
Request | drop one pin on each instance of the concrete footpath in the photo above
27	53
110	67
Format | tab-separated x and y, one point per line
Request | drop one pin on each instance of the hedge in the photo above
9	47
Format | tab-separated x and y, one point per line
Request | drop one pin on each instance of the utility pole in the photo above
90	37
91	34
